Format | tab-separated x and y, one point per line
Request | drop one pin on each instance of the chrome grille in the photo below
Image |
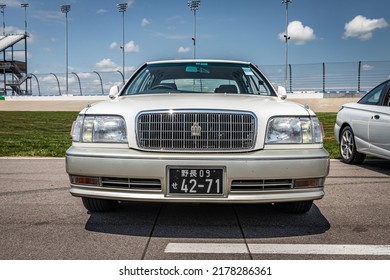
261	185
196	131
127	183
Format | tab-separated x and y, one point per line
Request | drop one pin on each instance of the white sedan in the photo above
364	127
204	131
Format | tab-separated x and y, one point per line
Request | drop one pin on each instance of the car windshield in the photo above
198	77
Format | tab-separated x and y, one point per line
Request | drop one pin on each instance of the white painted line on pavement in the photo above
207	248
288	249
319	249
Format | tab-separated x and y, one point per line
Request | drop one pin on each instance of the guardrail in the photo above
332	78
339	77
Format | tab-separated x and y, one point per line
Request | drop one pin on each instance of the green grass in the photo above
46	134
35	134
328	120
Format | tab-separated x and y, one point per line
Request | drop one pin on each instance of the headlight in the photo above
294	130
76	128
99	129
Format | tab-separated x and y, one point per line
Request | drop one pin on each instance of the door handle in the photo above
376	117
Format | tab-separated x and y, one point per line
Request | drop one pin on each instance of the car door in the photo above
361	114
379	126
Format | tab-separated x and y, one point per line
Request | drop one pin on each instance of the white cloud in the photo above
13	30
298	33
12	3
171	36
113	45
84	75
362	27
48	16
106	64
145	22
130	2
183	50
367	67
20	55
131	47
101	11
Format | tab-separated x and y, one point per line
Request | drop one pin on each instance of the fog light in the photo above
84	180
309	183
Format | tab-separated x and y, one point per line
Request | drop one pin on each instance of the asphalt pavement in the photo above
39	219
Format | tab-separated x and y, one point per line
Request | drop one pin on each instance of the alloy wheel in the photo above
347	144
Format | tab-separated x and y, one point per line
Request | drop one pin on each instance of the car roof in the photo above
198	60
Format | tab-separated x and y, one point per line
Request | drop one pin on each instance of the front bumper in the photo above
336	132
280	167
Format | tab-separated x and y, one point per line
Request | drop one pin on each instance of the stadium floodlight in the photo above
286	43
66	9
2	7
122	9
194	6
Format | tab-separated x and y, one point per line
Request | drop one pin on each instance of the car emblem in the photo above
196	129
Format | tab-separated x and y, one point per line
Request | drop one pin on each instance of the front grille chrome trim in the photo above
128	183
261	185
196	130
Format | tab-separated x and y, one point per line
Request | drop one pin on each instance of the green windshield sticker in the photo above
197	69
192	69
248	71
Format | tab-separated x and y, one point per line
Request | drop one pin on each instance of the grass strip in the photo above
35	134
46	134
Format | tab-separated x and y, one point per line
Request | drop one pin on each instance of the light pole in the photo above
286	41
25	6
66	9
122	9
2	7
194	6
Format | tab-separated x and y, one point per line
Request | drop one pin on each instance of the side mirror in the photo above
282	93
114	91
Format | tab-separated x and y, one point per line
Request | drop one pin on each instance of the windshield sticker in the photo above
197	69
248	71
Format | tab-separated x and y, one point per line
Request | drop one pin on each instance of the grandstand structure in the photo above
13	65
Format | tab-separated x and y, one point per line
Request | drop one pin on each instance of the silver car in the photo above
363	128
204	131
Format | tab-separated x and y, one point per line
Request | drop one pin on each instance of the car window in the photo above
198	77
374	96
387	100
202	85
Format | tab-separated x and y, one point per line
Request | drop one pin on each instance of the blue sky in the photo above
320	31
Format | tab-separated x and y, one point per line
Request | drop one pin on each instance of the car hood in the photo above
262	106
257	104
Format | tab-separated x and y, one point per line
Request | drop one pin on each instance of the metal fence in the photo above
84	83
358	76
317	77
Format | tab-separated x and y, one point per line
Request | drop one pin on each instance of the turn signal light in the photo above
309	183
84	180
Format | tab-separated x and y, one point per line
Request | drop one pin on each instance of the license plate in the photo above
196	181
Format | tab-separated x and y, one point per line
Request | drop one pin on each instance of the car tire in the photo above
299	207
99	205
347	147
